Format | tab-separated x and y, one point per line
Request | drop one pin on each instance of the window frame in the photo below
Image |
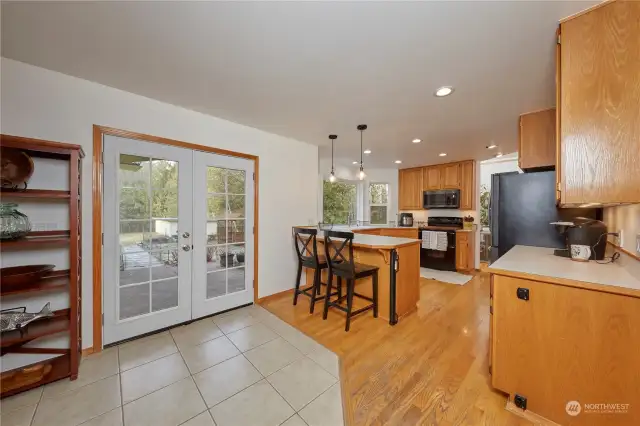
387	205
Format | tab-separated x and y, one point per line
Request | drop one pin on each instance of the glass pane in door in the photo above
225	231
148	220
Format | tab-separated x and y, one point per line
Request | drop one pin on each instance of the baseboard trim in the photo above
87	351
534	418
625	251
273	296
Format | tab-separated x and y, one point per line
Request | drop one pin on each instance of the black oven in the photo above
444	199
440	260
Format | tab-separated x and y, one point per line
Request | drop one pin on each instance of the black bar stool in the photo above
305	242
344	267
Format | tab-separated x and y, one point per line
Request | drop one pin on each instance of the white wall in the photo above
508	163
389	176
43	104
625	219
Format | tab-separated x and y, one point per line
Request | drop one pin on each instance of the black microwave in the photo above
444	199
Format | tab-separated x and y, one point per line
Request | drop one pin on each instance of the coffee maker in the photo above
585	232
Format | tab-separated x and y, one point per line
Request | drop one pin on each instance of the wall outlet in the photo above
620	239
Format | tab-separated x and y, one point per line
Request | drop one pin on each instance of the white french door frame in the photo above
99	138
115	327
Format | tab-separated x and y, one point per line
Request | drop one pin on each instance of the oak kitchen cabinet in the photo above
410	189
465	251
450	176
537	142
431	178
460	175
564	332
598	84
467	185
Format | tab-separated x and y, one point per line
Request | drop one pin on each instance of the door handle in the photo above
186	235
186	247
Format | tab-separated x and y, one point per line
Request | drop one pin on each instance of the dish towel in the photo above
426	239
441	241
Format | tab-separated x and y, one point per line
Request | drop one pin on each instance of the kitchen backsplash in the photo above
423	215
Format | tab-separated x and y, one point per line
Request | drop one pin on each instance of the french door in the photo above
176	240
223	233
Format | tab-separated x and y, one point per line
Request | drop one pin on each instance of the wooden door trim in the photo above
98	170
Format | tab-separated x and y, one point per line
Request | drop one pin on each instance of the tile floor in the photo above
241	368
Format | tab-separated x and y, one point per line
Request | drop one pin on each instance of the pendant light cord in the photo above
361	149
332	140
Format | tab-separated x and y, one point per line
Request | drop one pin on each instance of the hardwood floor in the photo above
430	369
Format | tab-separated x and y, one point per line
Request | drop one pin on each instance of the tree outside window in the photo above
338	202
378	203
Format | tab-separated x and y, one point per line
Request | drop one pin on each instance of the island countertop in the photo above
373	241
541	262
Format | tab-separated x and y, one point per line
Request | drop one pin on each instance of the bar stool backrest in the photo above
304	240
338	248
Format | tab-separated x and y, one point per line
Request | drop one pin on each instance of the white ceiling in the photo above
308	69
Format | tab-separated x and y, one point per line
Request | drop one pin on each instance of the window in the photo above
378	203
339	200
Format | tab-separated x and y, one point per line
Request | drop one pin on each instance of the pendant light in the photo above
362	128
332	176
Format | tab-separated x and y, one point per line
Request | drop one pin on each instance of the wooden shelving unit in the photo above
67	320
35	241
55	280
47	194
58	323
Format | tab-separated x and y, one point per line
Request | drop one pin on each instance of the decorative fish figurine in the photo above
18	318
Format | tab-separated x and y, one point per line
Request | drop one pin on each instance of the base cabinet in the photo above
465	258
553	344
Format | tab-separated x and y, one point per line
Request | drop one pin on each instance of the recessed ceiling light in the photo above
498	155
367	151
416	140
398	162
355	162
443	154
491	146
444	91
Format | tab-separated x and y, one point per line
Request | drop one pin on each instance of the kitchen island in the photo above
398	260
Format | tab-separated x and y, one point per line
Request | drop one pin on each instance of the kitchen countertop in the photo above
373	241
541	262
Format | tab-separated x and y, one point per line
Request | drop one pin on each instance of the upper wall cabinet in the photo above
431	178
410	189
537	150
468	185
599	106
451	176
460	175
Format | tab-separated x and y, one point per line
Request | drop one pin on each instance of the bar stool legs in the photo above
375	294
297	290
350	291
315	290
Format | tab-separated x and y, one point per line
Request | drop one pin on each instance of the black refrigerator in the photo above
521	208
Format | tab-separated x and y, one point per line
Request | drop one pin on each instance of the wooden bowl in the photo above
20	276
16	167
